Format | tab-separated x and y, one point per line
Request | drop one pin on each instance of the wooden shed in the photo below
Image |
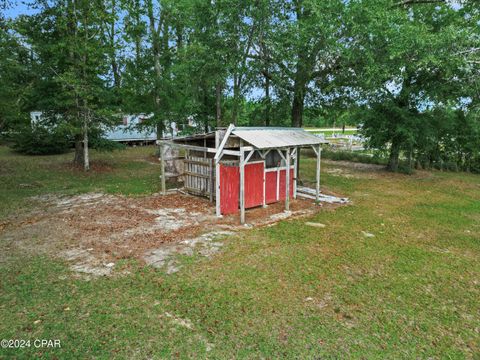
244	167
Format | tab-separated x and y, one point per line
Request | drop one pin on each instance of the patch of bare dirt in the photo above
93	231
351	169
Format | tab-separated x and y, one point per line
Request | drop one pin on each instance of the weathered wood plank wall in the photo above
199	176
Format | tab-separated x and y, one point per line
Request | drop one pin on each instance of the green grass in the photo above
287	291
125	172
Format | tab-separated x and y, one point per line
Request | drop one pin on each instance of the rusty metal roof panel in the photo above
270	137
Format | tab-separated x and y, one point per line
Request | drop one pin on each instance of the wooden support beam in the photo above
278	183
217	178
317	188
162	170
264	153
249	156
197	175
297	175
186	147
242	185
219	150
295	172
264	183
230	152
217	189
202	149
287	185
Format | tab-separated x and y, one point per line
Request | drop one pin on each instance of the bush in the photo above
39	140
101	144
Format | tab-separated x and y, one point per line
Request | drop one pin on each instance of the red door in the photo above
271	187
229	189
254	185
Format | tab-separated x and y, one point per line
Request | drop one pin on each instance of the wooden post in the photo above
319	165
188	168
210	179
295	172
217	176
264	183
263	155
217	188
297	175
278	183
317	194
242	185
162	170
287	185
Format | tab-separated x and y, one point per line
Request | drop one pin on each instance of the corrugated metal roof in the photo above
209	135
267	137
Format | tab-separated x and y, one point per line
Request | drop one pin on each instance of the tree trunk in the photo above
205	109
138	39
86	156
235	99
160	128
410	159
394	156
218	91
72	32
86	111
78	159
116	73
114	63
297	107
267	101
154	31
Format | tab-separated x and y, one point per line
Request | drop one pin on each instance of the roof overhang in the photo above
271	137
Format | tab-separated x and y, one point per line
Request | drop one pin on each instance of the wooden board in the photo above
199	178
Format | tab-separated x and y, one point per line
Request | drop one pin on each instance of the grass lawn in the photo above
286	291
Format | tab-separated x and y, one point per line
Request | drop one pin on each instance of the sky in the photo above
16	8
19	7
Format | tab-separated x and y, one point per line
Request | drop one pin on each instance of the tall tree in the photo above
411	67
66	41
17	76
305	44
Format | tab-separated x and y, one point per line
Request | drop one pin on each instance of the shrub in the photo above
101	144
39	140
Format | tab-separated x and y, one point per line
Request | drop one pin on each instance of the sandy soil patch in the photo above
356	170
94	231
